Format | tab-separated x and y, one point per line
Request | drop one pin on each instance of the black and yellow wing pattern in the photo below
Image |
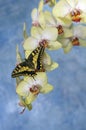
30	65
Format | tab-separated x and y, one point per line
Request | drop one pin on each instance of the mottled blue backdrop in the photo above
62	109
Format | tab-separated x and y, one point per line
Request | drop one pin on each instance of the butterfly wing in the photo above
32	63
33	57
39	65
22	69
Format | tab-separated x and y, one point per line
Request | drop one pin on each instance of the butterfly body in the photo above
30	65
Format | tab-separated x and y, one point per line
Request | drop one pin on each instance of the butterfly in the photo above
31	65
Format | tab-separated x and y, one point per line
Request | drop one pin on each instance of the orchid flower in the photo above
38	16
30	88
73	10
78	38
22	99
63	29
34	87
46	36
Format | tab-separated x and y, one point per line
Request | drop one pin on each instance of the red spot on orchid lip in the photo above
75	42
34	90
43	43
75	15
60	29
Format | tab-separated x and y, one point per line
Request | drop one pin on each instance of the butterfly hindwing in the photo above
22	69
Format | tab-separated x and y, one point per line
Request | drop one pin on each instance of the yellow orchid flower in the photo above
29	88
38	16
22	102
63	29
39	36
73	10
78	38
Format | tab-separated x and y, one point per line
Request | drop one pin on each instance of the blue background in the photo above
62	109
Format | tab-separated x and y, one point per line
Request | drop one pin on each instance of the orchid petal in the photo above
82	42
50	33
82	5
81	33
18	80
23	88
40	78
68	48
54	45
36	32
42	20
83	17
51	67
34	15
64	21
40	7
29	99
30	43
61	9
67	32
49	19
46	89
46	59
72	3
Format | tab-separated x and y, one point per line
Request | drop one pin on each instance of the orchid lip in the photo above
34	89
75	41
60	29
75	15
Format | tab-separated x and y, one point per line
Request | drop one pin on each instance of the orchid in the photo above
22	99
63	29
46	36
73	10
29	88
38	16
78	38
60	28
40	80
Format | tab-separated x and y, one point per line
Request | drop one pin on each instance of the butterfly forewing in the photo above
34	56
